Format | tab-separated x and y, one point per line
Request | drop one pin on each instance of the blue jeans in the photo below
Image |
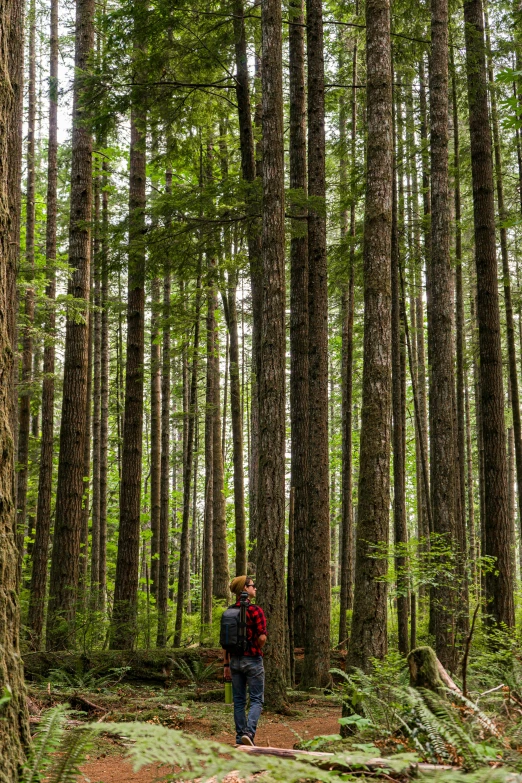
247	670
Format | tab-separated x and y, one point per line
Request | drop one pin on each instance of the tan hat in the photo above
237	585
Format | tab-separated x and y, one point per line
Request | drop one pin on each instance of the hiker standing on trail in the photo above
243	636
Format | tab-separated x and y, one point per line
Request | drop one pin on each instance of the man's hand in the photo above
262	640
226	673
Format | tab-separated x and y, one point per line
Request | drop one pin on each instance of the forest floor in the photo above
449	729
107	764
176	708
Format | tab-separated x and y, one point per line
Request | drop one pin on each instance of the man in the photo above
247	669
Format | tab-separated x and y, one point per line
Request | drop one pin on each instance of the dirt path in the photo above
274	730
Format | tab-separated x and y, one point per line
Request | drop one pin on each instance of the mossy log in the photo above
425	670
143	665
344	763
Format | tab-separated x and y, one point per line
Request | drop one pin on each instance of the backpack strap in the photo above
242	626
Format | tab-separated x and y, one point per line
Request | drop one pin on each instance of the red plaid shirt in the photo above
256	627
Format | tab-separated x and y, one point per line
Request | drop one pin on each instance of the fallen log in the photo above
141	665
342	763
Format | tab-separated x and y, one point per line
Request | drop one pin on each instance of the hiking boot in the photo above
246	740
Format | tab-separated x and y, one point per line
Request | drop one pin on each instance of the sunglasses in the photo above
251	585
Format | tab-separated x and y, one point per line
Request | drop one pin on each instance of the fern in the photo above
196	671
196	757
46	741
73	749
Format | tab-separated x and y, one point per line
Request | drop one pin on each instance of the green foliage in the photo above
89	679
48	737
439	730
195	670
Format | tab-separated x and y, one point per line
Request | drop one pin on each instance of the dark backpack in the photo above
233	636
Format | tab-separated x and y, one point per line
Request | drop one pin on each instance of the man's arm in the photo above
260	626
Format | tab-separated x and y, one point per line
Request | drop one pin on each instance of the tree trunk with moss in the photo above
65	561
14	728
271	520
369	622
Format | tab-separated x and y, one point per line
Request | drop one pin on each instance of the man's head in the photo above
243	583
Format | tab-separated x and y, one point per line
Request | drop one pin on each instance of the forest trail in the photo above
110	766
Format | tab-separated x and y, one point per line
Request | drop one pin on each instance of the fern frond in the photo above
45	743
73	750
195	757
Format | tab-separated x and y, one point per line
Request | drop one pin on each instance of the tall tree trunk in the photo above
299	399
155	435
96	413
317	641
271	510
440	341
206	565
15	68
398	405
221	576
237	424
73	430
346	537
124	616
14	728
225	397
163	573
104	391
478	429
426	208
460	351
84	535
369	622
471	495
184	562
40	553
508	303
24	415
499	580
249	175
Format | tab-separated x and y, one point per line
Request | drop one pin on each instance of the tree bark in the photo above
249	175
317	641
299	365
460	351
24	415
369	622
443	439
123	625
499	580
104	391
96	413
84	535
508	302
184	561
398	405
346	537
206	565
271	510
73	430
221	575
40	554
155	435
14	728
237	424
15	68
163	573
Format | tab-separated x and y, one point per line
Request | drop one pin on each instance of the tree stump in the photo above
425	670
